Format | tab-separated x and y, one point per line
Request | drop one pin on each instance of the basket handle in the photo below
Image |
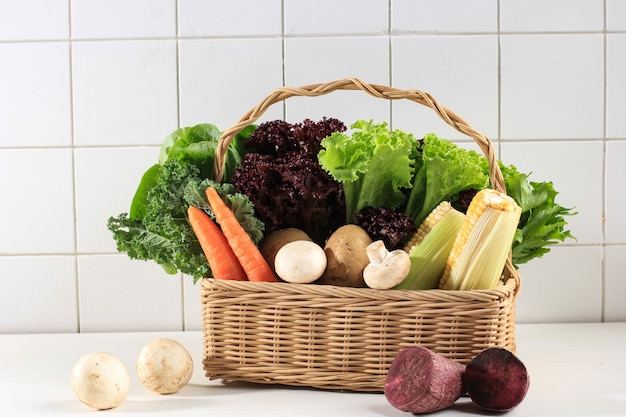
315	90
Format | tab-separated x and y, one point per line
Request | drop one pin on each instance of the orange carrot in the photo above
247	252
223	262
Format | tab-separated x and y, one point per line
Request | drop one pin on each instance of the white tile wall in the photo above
233	18
552	161
37	83
204	64
615	192
433	63
564	286
125	91
92	210
118	293
324	17
102	19
551	16
34	20
615	85
90	88
314	59
37	209
450	16
552	86
615	15
39	293
615	284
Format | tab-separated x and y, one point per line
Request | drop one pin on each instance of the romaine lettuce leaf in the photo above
542	223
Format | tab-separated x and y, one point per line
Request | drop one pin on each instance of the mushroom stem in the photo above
386	269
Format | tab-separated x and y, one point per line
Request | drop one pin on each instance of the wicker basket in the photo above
339	338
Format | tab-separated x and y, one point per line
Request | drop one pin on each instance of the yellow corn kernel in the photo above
482	245
427	225
430	246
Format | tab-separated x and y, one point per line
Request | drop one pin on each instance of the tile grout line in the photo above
283	53
499	79
74	173
178	124
390	63
604	167
318	35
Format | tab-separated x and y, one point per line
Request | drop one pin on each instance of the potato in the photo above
164	366
100	380
273	241
346	257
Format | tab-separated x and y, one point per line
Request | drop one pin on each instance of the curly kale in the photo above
163	233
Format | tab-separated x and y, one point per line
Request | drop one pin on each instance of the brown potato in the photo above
347	257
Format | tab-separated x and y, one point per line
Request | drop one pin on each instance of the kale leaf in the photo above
156	227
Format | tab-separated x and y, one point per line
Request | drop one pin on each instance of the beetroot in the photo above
421	381
496	379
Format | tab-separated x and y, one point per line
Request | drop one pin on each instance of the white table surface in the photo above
575	370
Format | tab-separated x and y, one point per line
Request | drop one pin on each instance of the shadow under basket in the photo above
339	338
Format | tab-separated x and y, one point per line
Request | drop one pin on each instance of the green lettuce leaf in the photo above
197	145
443	170
373	165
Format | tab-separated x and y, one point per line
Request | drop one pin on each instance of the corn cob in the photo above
482	245
430	246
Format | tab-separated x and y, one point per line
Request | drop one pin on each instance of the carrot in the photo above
250	258
223	262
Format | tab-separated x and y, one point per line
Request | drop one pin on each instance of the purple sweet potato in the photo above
421	381
496	379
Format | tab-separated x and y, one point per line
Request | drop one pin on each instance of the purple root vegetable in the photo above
421	381
496	380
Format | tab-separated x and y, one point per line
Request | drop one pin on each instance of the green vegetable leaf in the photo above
373	165
197	145
443	170
542	223
243	209
241	206
192	135
140	199
163	233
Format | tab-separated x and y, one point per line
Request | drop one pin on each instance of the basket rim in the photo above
379	91
502	291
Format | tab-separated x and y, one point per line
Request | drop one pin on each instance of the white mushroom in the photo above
300	262
164	366
386	269
100	380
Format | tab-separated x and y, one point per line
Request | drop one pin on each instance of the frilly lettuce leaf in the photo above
443	170
373	164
